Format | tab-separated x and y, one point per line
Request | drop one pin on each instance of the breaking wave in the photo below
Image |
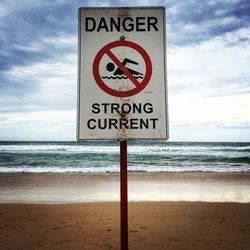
92	157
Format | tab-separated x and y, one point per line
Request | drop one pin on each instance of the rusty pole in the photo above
124	195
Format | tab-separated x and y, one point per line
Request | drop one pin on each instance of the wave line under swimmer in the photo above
122	68
120	77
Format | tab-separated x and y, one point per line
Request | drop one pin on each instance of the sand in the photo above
152	225
166	211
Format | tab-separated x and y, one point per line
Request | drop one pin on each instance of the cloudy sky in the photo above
208	54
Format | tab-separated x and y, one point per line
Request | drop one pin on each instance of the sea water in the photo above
144	156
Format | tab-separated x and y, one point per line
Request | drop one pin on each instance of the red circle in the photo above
114	92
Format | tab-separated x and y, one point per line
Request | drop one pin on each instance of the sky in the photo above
208	68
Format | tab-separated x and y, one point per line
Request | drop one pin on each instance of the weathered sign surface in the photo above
122	74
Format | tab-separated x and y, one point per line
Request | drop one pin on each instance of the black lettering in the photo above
143	123
137	108
124	122
115	107
89	125
127	24
124	109
100	125
102	25
113	123
113	24
148	108
152	21
88	22
105	105
140	24
154	121
96	108
134	123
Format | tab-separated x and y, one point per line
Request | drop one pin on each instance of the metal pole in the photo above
124	195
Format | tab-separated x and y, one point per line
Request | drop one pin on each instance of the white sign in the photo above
122	74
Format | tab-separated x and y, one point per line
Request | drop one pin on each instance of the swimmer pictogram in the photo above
119	74
122	69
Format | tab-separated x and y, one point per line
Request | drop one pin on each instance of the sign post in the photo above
122	81
124	195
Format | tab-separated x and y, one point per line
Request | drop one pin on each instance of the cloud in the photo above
194	110
209	83
39	117
195	21
38	125
208	44
43	85
25	31
211	67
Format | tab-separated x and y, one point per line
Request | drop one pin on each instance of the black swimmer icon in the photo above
119	74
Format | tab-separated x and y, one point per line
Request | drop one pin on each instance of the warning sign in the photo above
119	71
121	74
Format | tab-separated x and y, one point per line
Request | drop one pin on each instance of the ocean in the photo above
144	156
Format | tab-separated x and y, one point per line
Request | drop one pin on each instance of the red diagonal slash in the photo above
107	50
123	68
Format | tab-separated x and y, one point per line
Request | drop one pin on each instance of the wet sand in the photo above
152	225
68	188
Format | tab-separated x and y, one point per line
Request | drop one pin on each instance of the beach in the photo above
124	111
166	211
152	225
182	195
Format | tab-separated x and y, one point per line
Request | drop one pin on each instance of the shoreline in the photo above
54	188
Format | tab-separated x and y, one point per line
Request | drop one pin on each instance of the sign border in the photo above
79	72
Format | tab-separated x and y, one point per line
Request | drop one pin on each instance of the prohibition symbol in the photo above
121	71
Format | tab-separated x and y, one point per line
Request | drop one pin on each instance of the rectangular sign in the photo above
122	74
